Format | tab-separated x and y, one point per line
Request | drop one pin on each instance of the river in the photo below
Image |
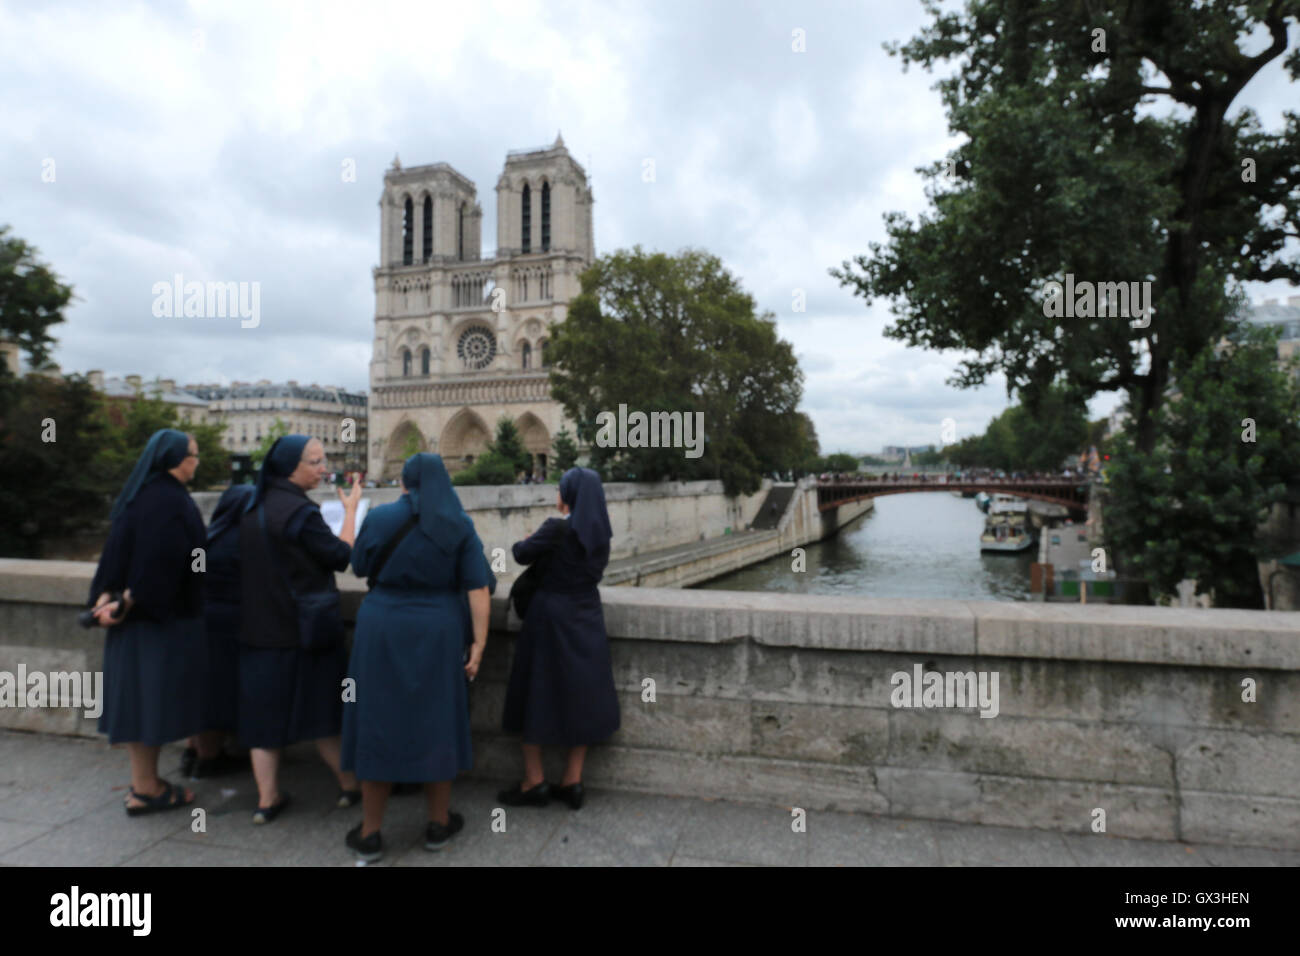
922	545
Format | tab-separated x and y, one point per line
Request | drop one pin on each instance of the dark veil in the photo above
581	490
434	500
167	448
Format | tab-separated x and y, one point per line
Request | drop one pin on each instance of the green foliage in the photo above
1116	166
31	300
51	487
1021	439
1190	508
411	445
840	462
679	334
501	464
278	429
130	424
566	450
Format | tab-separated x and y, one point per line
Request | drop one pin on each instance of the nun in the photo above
561	689
205	756
430	590
149	595
287	692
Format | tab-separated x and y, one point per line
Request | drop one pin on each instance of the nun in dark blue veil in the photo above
205	756
410	719
148	591
561	689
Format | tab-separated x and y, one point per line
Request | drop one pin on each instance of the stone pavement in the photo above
61	805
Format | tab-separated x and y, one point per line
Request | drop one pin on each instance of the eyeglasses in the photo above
314	462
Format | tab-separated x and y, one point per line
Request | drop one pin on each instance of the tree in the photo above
31	300
130	424
411	445
841	462
677	334
1067	170
278	429
57	481
1192	506
566	450
1021	439
501	464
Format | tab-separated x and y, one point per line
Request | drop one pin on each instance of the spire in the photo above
559	140
397	163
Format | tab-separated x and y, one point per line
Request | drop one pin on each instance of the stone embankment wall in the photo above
786	700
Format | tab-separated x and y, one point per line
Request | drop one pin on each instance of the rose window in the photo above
476	348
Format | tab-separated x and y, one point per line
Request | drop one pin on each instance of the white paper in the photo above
332	512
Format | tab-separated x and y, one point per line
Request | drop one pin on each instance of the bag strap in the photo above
389	547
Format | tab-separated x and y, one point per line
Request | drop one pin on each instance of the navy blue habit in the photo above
154	660
410	720
561	689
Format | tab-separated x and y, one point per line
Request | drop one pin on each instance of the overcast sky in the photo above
208	139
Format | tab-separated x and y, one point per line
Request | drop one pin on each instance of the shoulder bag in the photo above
320	614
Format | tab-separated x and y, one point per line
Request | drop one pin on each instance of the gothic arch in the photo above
465	436
395	454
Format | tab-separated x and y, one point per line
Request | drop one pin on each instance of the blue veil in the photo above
167	448
233	503
581	490
434	500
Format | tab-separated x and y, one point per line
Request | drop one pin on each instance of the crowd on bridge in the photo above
231	636
969	476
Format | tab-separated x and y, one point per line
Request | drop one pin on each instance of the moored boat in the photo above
1007	531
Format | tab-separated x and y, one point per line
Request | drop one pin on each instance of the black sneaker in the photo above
437	836
370	849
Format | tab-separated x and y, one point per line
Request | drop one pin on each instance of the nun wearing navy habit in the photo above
221	599
148	594
410	719
287	693
561	689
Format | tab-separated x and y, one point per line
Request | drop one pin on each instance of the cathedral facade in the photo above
460	339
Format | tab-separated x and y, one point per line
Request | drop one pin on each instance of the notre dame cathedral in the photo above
460	339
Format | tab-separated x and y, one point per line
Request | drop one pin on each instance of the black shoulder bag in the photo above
387	551
320	614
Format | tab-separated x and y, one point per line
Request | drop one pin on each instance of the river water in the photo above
922	545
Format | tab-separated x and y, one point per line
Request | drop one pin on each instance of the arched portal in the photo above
464	438
536	438
405	441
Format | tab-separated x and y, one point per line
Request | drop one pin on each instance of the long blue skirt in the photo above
287	695
561	690
410	720
152	678
221	677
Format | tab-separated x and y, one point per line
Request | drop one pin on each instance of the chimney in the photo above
1270	301
10	356
133	381
96	378
293	382
1294	301
168	384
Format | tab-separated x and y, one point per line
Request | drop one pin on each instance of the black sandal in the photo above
267	814
171	798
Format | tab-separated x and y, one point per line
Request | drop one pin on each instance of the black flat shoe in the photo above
572	795
437	835
370	849
516	796
348	798
267	814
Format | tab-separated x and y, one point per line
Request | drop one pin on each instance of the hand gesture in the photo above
353	497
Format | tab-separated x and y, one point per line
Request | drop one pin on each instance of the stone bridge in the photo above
1069	492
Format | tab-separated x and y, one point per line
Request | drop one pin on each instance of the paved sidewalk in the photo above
61	805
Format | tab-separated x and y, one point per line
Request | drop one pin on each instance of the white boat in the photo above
1007	531
1007	504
